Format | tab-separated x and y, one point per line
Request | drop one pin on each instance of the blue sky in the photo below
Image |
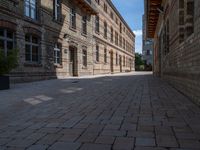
132	11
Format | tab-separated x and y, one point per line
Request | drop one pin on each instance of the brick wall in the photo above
181	65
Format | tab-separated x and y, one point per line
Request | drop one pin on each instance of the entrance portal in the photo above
73	61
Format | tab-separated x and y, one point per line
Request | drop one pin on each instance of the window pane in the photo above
28	53
1	44
1	32
27	38
9	45
34	40
33	2
58	60
33	13
9	34
35	54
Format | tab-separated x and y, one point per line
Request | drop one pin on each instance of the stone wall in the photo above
50	32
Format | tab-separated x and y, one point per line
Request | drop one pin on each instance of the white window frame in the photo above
56	9
30	9
56	55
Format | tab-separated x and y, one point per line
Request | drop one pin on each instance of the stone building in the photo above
175	27
59	38
114	40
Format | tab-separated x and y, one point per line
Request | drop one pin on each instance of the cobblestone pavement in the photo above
129	112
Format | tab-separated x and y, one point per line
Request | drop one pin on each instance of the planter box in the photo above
4	82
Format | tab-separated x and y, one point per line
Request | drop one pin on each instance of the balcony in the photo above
87	5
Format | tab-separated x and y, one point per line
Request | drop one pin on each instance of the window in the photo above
111	34
166	38
190	18
116	59
120	27
84	25
105	8
124	43
116	21
97	53
84	57
105	30
111	15
116	38
97	24
181	21
30	8
57	54
148	52
6	40
57	10
120	41
31	48
124	61
73	18
105	55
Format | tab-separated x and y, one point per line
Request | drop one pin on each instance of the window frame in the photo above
31	44
97	53
57	48
5	40
84	25
84	57
28	7
72	18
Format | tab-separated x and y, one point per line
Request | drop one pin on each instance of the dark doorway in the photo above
120	63
73	61
111	62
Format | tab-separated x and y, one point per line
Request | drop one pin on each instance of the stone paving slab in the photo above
133	111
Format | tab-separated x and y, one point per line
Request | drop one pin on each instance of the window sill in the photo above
29	64
97	32
58	66
97	62
59	21
36	21
83	34
84	67
72	29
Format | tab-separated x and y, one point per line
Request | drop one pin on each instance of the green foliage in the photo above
8	62
139	63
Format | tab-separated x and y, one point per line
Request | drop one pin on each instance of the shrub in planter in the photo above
8	62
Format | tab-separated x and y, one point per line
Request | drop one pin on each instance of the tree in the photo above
8	62
139	63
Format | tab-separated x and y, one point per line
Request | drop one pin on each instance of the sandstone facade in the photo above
57	38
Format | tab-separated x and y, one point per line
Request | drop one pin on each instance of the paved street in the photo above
135	111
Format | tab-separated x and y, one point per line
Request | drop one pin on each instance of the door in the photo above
111	62
120	63
73	64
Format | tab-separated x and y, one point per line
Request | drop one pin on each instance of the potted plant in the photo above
8	62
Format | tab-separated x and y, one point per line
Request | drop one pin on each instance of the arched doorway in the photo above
73	61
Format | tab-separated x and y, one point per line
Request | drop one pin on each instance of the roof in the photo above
152	16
